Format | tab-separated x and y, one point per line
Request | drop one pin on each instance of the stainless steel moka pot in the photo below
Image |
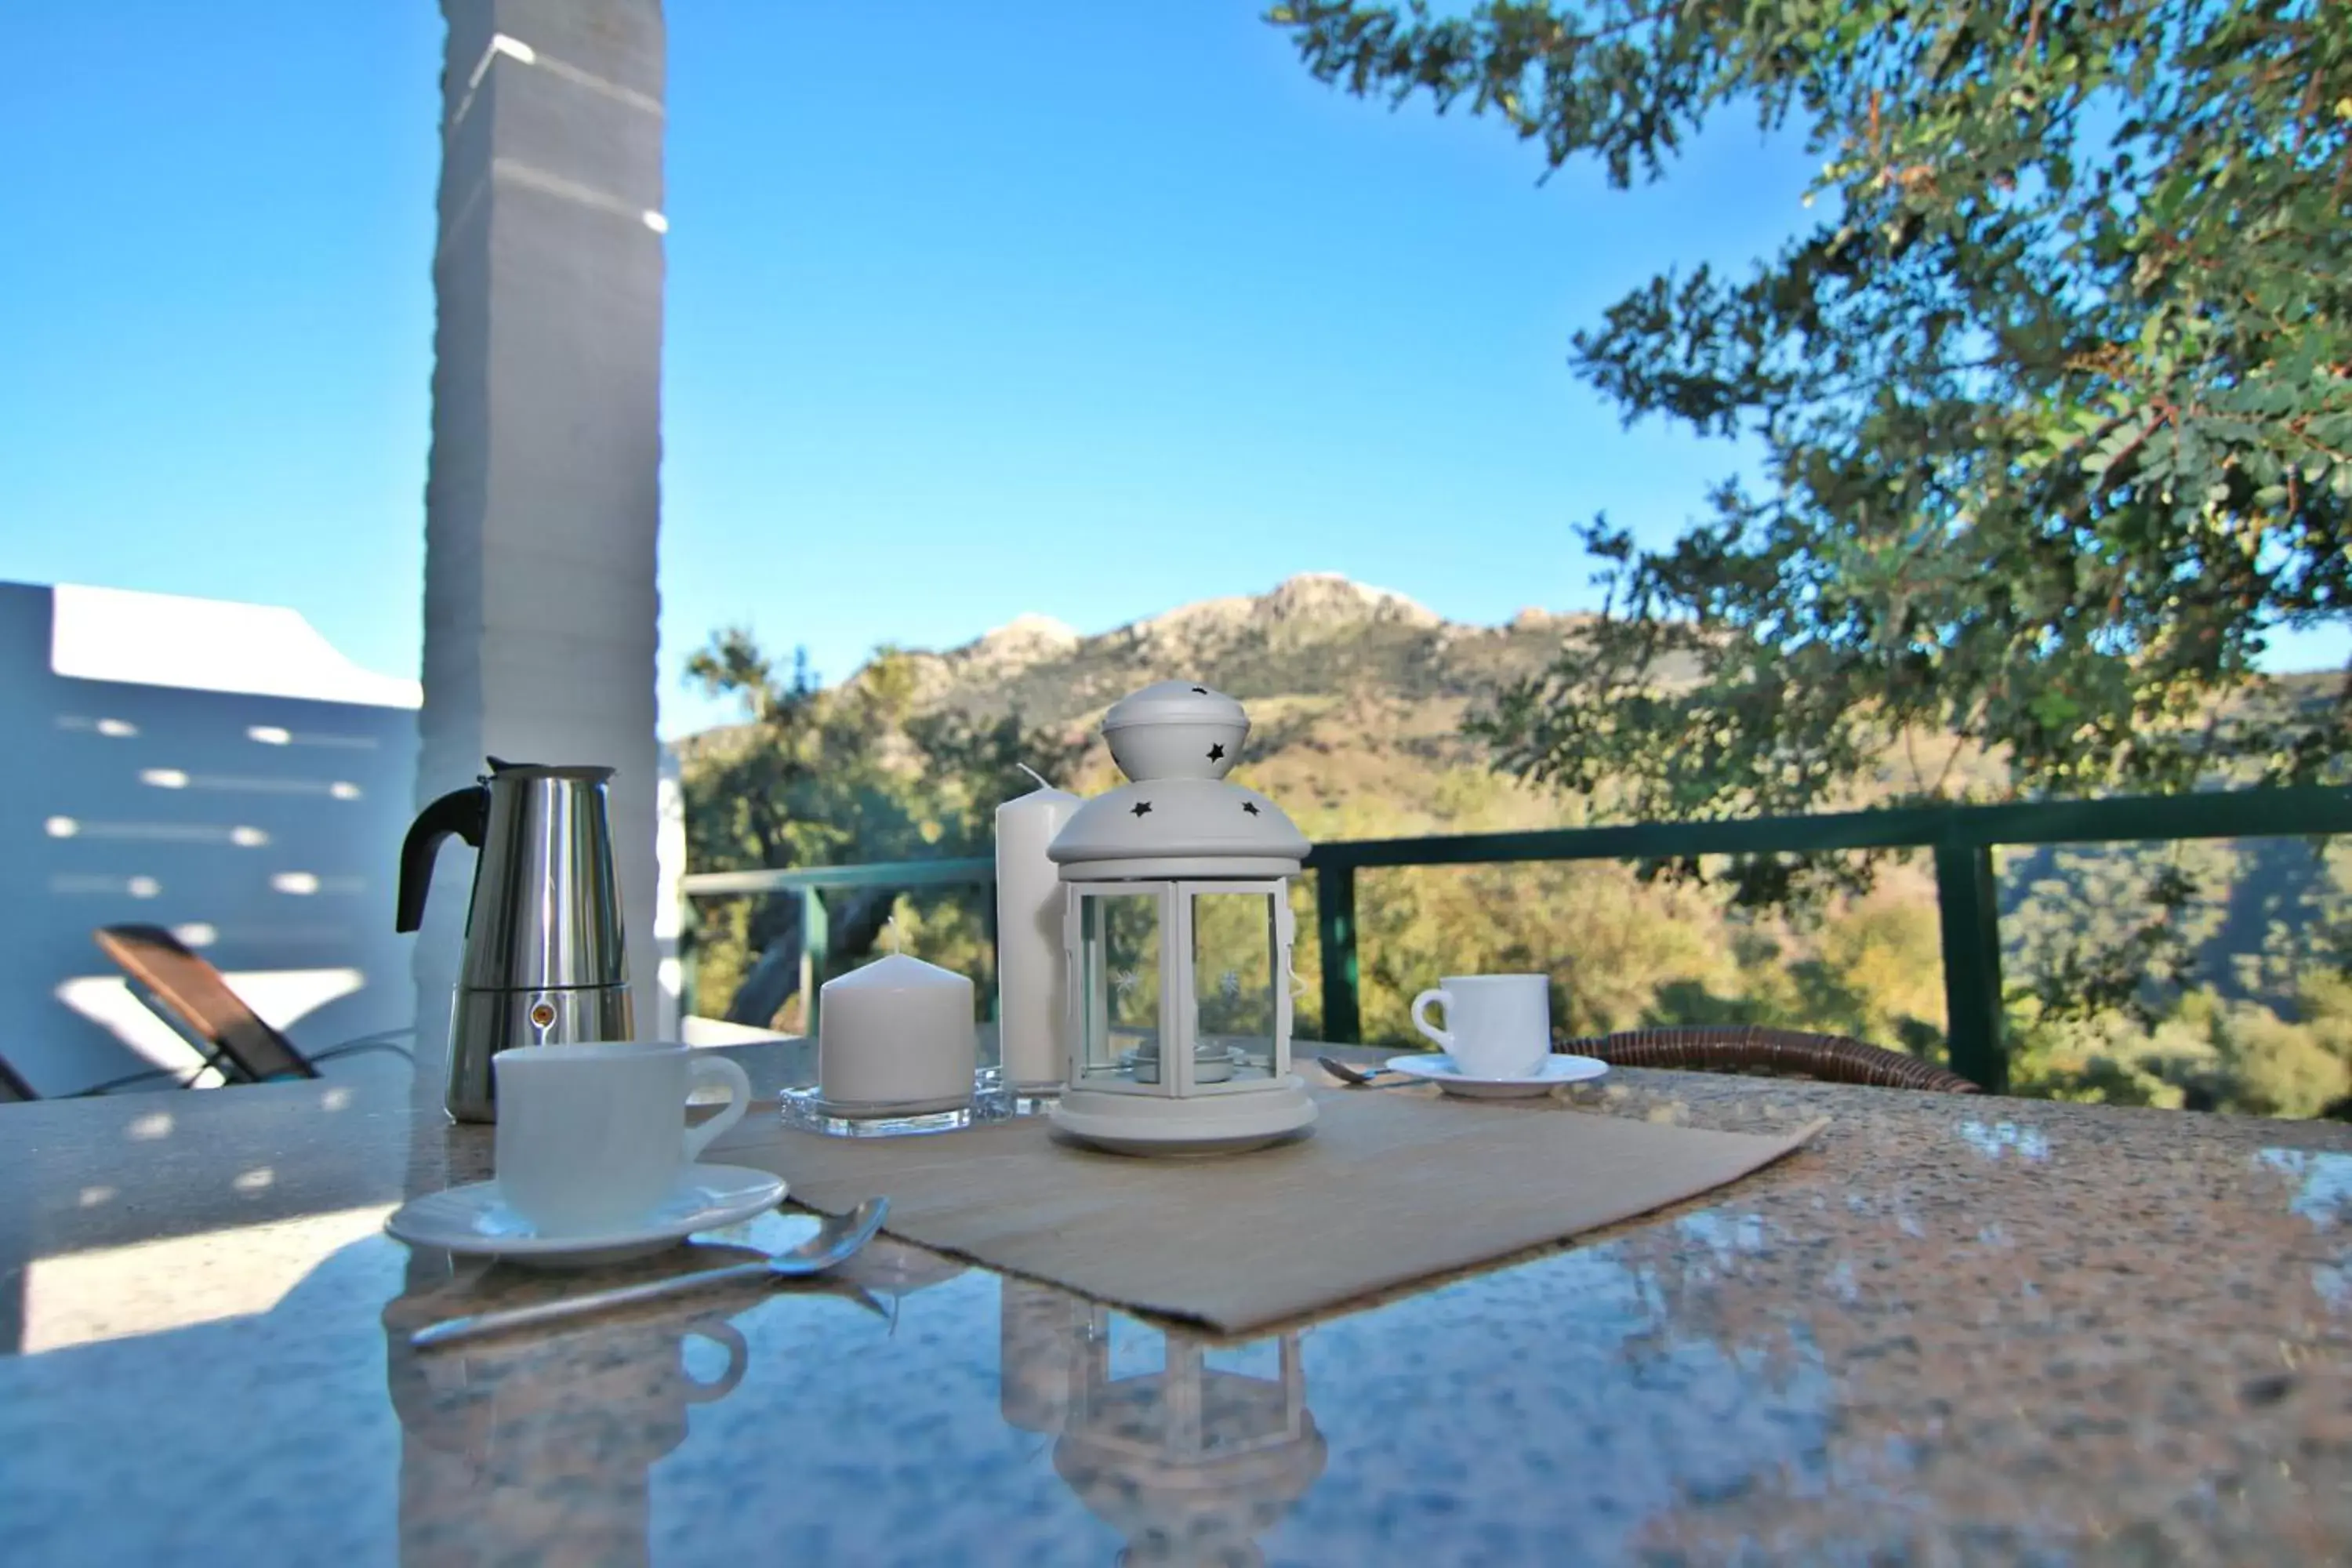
545	960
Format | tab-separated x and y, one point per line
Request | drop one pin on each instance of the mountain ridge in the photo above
1357	697
1316	634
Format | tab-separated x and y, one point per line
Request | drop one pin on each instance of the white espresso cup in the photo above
1496	1025
592	1138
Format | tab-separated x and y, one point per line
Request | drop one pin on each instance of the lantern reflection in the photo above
1190	1461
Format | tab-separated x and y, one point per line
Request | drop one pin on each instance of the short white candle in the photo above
897	1032
1032	975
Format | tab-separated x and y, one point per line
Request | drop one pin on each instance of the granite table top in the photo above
1952	1330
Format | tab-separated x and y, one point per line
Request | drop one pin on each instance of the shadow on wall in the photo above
216	769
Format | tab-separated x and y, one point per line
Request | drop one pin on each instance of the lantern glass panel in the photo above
1235	1005
1119	981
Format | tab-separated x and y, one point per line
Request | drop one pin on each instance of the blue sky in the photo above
1083	310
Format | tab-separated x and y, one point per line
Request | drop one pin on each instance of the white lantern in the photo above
1178	931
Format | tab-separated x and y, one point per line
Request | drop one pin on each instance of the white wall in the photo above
215	768
221	770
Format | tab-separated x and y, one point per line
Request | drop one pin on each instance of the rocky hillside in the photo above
1356	694
1319	634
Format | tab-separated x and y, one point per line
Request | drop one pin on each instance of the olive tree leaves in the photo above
2056	397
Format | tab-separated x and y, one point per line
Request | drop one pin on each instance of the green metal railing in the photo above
810	882
1961	838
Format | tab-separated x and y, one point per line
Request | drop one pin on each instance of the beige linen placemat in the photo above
1390	1187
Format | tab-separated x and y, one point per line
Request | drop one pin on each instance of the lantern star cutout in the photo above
1142	808
1217	753
1250	806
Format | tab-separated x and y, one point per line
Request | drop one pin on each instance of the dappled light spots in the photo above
81	882
2323	1193
156	832
303	884
1996	1138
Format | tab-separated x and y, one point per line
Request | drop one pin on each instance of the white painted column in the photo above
663	1022
543	499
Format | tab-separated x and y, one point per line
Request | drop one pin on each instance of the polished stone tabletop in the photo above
1953	1331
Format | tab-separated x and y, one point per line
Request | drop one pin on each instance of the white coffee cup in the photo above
1496	1025
592	1138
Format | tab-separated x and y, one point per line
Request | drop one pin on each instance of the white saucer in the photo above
1437	1067
472	1220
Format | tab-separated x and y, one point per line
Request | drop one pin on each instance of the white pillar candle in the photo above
1032	978
897	1032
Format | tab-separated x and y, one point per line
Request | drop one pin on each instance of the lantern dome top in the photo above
1180	816
1178	827
1176	730
1174	702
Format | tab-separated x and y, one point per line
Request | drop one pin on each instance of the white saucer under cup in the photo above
1496	1025
1446	1074
472	1221
592	1138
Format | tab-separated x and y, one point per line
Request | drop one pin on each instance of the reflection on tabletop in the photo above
1189	1462
2026	1332
542	1442
895	1269
538	1445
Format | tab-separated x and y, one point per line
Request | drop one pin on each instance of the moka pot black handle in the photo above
464	811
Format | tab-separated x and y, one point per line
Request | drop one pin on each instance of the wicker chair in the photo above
1756	1051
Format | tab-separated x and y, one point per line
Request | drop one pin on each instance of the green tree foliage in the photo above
803	784
2056	394
2055	401
2227	991
843	776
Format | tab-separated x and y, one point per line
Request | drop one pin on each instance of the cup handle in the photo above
1421	1005
704	1069
739	1356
